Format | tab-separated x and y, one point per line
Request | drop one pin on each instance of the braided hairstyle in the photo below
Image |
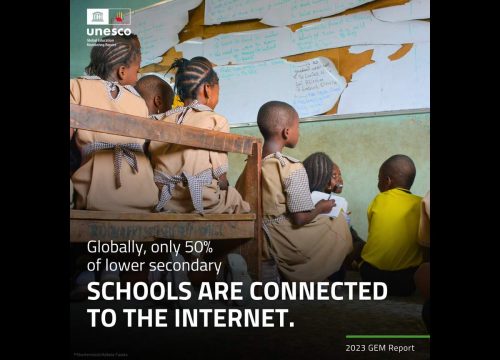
319	168
191	74
111	52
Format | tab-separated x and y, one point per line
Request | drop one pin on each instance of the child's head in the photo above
397	171
116	58
319	168
324	175
279	122
336	183
195	79
158	95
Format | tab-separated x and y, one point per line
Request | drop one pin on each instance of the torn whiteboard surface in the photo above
260	45
312	87
275	12
414	9
318	86
389	85
157	27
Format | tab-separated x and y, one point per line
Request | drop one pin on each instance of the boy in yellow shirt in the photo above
392	253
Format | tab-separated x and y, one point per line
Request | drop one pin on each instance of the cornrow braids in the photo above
111	52
319	168
191	74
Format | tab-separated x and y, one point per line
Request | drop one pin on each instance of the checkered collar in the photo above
111	85
281	158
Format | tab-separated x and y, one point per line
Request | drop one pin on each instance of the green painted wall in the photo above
79	51
359	147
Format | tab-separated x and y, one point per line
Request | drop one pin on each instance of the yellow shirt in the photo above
393	221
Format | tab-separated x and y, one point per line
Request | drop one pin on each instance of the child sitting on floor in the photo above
305	246
325	176
392	253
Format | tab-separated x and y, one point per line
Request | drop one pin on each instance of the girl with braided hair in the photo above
325	176
190	179
114	173
319	168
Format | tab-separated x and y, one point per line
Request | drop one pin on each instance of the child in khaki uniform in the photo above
305	246
190	179
114	173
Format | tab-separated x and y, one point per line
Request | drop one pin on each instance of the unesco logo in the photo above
111	19
113	16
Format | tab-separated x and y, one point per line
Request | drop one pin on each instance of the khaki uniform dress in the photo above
115	174
186	176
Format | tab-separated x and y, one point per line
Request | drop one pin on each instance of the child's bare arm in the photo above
303	218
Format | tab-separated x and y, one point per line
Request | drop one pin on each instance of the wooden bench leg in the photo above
252	250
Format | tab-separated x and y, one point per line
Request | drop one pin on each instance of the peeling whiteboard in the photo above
414	9
389	85
260	45
312	87
275	12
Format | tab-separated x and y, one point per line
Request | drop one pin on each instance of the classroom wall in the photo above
359	147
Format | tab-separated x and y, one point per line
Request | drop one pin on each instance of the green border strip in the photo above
387	336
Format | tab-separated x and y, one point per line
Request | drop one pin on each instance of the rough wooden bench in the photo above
88	225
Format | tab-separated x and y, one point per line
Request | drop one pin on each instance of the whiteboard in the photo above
259	45
414	9
389	85
275	12
312	87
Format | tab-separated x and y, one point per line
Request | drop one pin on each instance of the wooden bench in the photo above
88	225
